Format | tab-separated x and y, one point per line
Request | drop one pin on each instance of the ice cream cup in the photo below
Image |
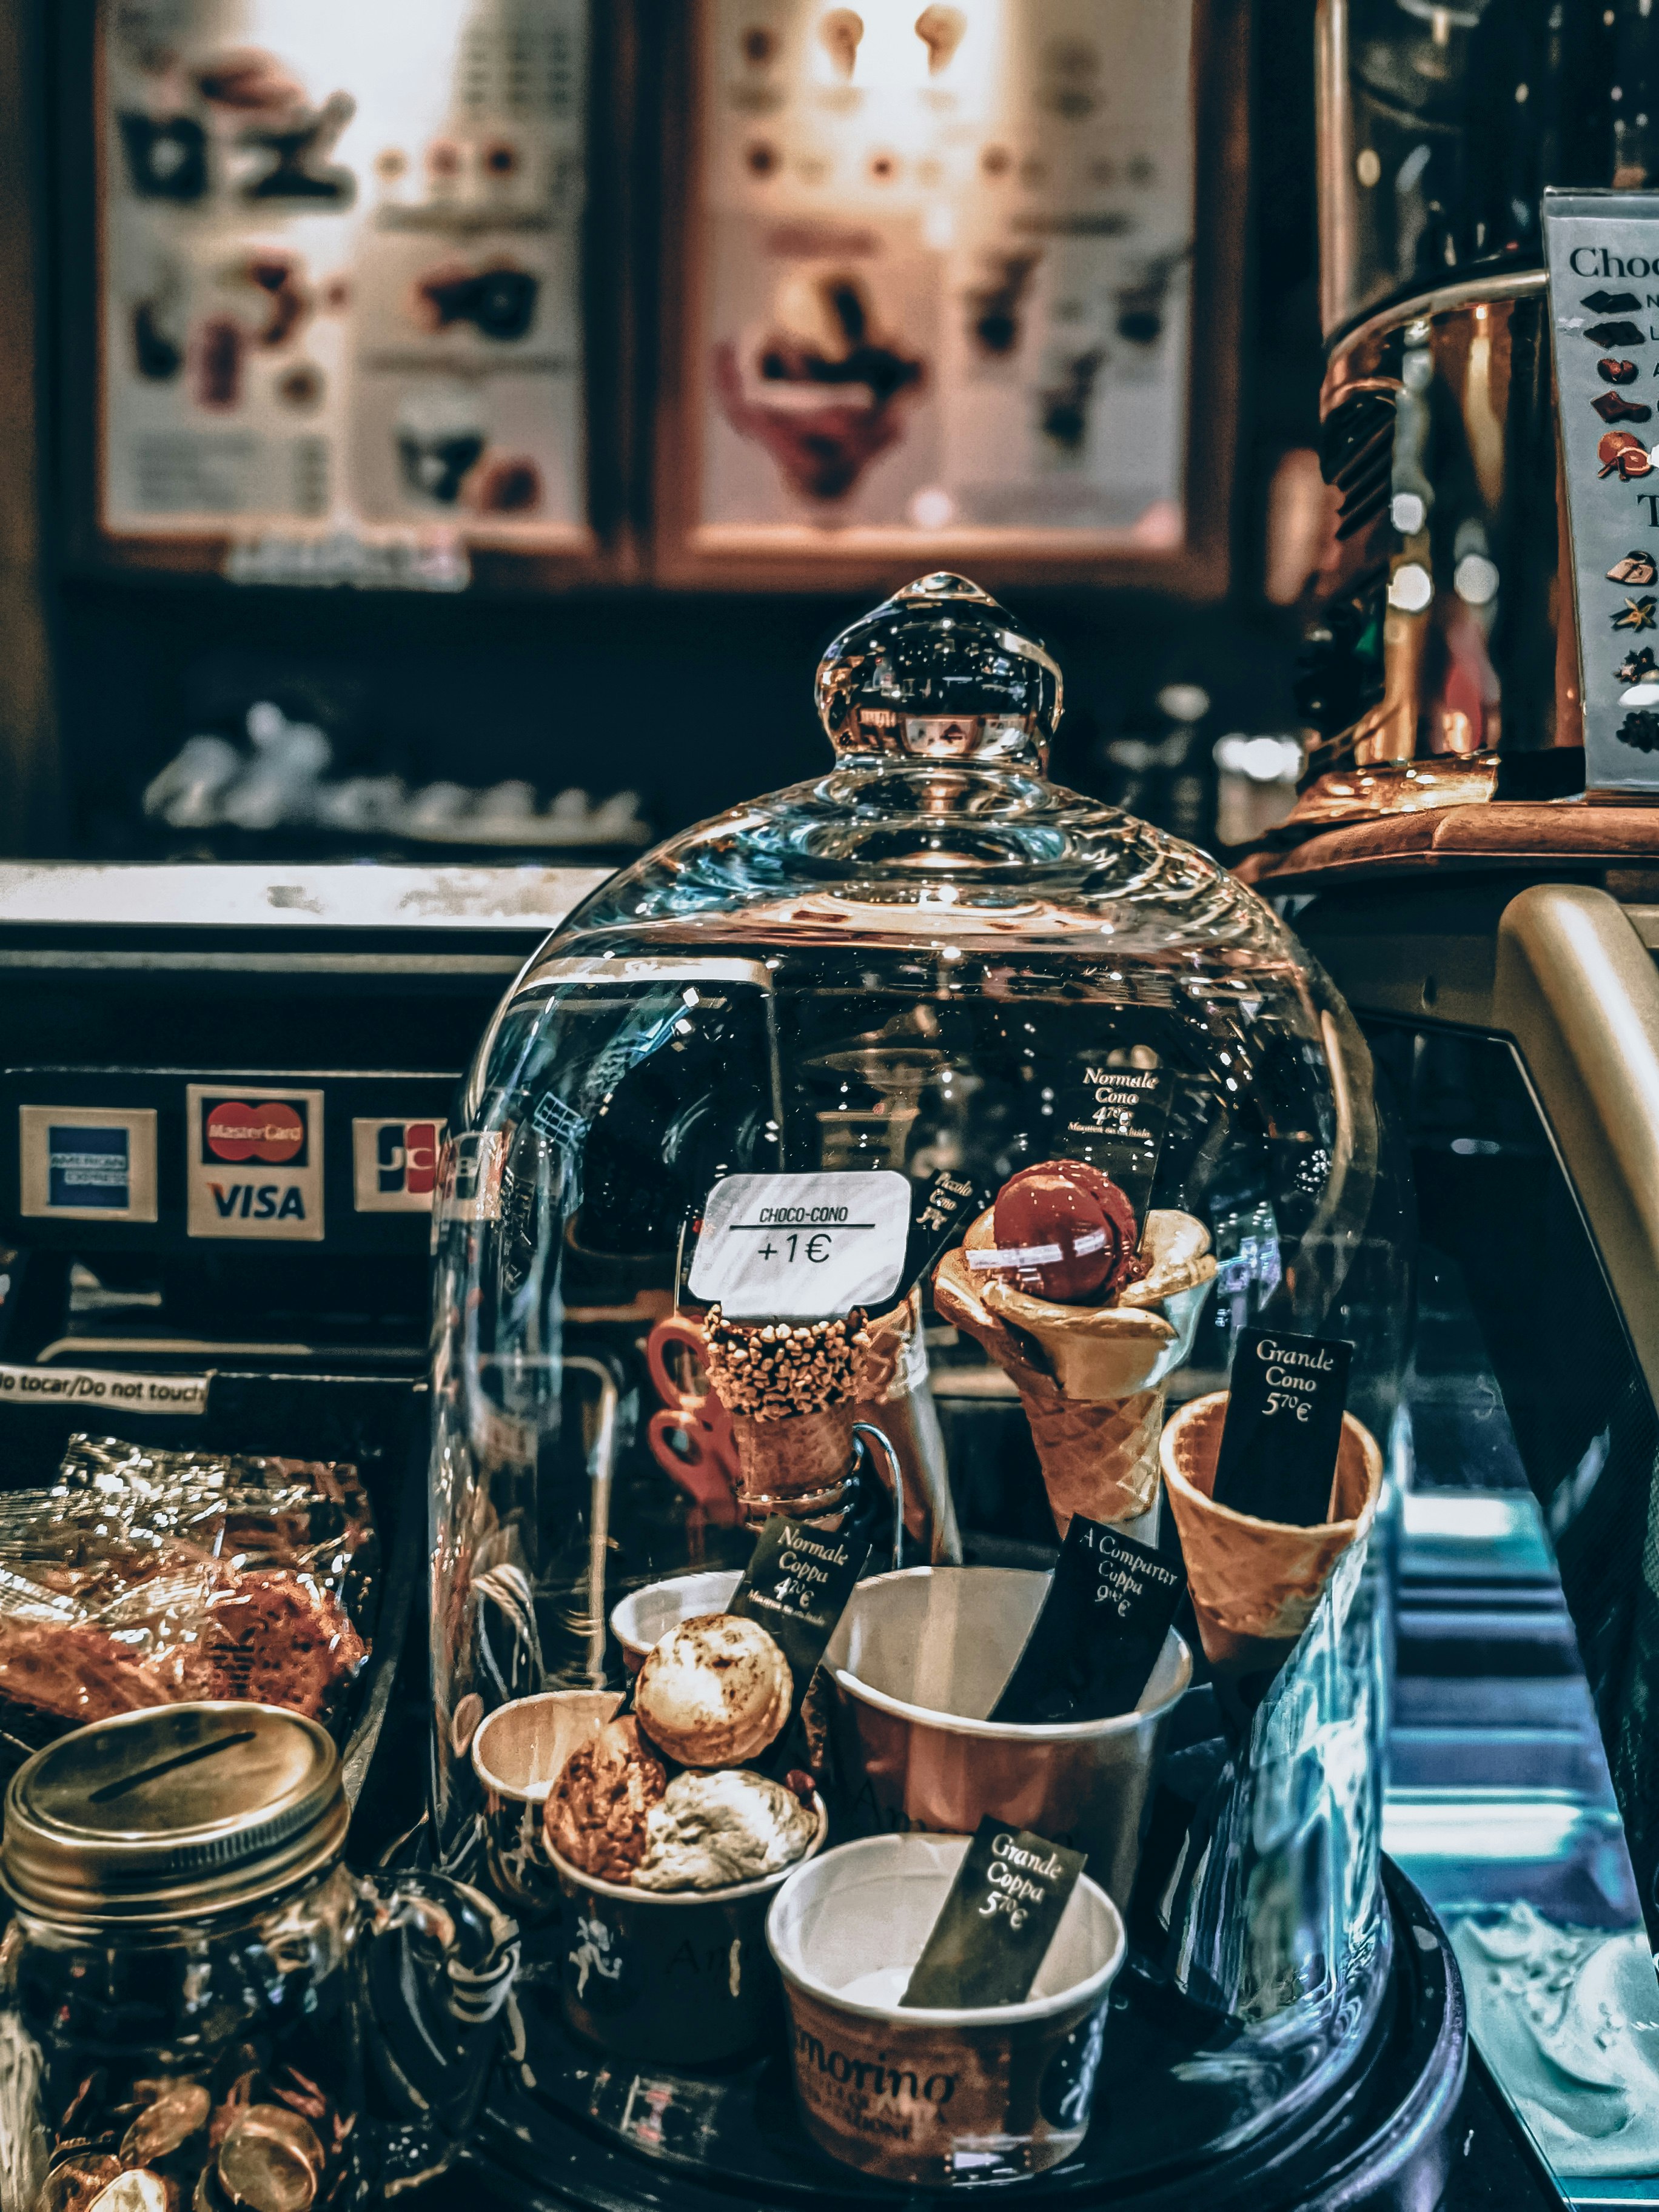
644	1616
677	1977
918	1660
925	2095
519	1751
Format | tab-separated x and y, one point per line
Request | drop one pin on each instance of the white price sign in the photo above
802	1247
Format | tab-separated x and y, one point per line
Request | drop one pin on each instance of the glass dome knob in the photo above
941	672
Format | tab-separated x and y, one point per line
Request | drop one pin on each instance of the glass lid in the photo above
900	1152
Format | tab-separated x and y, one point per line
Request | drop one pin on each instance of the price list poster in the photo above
941	277
340	268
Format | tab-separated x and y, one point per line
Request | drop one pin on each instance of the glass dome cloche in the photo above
905	1152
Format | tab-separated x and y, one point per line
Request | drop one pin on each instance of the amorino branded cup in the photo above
919	1659
672	1975
929	2095
519	1753
645	1616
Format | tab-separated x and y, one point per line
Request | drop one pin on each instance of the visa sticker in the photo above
254	1162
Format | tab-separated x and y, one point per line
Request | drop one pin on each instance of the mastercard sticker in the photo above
255	1162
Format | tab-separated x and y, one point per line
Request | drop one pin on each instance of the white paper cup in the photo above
918	1660
929	2095
519	1753
645	1616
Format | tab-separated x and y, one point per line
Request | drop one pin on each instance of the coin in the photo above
237	2099
72	2185
271	2160
172	2119
138	2190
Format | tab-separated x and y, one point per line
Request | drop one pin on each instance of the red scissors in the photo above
691	1439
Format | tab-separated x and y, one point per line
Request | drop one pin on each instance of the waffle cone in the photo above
795	1456
889	1366
1098	1458
1099	1455
1254	1583
1096	1353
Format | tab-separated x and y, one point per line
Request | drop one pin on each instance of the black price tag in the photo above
1278	1456
1092	1649
1116	1124
945	1209
796	1586
993	1930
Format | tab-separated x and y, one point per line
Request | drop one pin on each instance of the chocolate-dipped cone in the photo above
797	1457
788	1388
1254	1583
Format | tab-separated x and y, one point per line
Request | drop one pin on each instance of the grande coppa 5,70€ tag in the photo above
802	1247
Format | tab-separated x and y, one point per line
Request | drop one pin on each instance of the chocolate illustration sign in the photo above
1279	1445
909	321
1603	252
336	288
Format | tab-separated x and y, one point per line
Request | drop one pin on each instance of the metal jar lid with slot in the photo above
171	1814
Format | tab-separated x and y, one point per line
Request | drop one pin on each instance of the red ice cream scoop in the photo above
1074	1229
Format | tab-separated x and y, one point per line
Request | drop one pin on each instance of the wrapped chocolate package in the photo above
145	1578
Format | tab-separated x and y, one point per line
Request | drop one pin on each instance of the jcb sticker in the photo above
255	1162
395	1164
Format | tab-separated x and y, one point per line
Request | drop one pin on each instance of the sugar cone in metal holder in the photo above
1254	1583
797	1465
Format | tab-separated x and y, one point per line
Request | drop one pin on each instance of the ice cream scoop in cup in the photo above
714	1690
674	1976
597	1810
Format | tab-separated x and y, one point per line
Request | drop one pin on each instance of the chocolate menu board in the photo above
340	267
1603	251
946	268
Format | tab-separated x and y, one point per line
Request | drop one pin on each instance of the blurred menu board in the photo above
945	265
341	266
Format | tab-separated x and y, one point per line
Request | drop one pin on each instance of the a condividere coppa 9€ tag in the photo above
802	1247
